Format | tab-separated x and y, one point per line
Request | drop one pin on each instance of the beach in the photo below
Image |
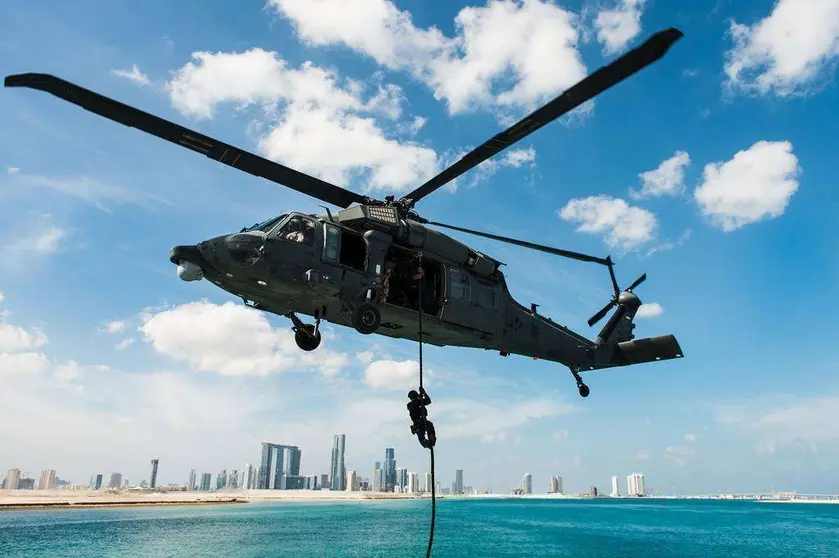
28	499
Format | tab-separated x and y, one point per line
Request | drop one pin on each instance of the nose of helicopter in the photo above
240	249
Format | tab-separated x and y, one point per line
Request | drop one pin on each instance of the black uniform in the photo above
422	427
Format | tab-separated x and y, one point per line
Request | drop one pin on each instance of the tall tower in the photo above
338	474
615	488
458	481
527	483
191	482
390	470
153	476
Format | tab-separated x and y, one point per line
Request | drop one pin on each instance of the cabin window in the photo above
331	242
459	285
353	251
299	229
485	296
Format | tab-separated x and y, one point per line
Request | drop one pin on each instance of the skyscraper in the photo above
47	480
389	470
277	463
338	473
190	485
377	477
402	478
615	488
556	484
249	477
458	481
352	481
635	485
153	476
12	479
206	478
527	483
115	481
96	481
413	483
428	485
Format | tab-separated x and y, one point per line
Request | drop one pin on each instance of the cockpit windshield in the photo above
266	226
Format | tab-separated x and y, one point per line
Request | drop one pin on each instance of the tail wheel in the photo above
366	318
306	338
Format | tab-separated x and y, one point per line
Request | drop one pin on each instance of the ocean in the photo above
394	529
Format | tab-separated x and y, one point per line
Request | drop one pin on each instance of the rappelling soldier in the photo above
422	427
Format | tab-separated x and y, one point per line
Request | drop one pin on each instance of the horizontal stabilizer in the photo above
649	349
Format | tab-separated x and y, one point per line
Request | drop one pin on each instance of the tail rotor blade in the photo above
599	316
637	282
612	275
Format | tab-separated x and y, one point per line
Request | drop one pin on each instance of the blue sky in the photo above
711	171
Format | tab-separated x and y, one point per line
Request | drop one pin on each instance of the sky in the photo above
711	171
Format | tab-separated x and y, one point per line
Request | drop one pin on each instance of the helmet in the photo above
413	394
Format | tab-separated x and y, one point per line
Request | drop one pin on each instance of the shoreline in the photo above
68	499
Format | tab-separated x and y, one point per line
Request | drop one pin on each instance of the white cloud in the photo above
666	180
12	170
679	454
87	189
15	339
323	128
618	26
115	326
786	52
539	47
756	184
651	310
671	244
690	437
134	74
390	374
232	340
620	224
38	237
124	344
365	357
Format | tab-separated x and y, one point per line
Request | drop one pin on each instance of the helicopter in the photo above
378	266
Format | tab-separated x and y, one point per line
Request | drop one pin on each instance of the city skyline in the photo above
711	171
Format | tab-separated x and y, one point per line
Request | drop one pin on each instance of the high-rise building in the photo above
221	479
278	462
428	485
190	484
615	488
153	475
249	477
96	481
377	477
635	485
401	478
458	481
389	470
12	481
233	479
206	479
324	480
338	472
352	481
413	483
527	483
47	480
115	481
556	484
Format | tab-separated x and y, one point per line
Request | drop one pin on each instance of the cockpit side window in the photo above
266	226
331	243
299	229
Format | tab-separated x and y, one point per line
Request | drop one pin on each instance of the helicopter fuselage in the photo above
326	267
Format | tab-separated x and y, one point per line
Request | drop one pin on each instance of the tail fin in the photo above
617	346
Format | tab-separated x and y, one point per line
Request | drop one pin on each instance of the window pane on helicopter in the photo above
299	229
266	226
330	251
459	285
485	296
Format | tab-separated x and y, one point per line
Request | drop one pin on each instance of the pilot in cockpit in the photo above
299	230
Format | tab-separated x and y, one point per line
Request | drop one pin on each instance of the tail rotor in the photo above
616	297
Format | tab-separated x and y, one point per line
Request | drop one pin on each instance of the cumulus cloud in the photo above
679	454
756	184
467	70
391	374
231	340
616	27
651	310
787	51
114	326
37	236
666	180
618	223
134	74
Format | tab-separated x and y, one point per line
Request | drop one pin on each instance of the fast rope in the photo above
433	440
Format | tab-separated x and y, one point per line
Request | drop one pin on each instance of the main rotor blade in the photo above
601	313
525	244
637	282
210	147
636	59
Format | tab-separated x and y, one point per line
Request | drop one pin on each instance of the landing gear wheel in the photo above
583	389
366	318
307	338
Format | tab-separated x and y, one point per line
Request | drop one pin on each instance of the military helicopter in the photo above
378	266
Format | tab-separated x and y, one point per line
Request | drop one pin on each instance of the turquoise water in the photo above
395	529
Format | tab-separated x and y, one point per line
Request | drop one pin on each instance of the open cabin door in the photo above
471	302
